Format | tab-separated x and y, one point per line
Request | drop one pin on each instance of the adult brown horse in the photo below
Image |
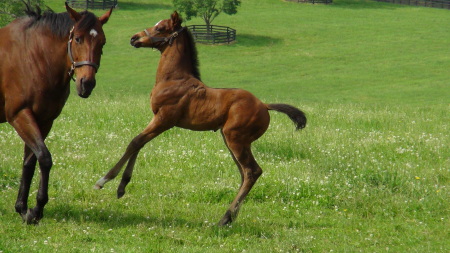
180	99
39	55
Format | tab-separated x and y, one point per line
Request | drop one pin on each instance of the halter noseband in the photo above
80	63
164	40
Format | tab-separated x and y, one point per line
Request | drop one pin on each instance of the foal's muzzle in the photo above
134	41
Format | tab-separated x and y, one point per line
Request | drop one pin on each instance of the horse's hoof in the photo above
31	218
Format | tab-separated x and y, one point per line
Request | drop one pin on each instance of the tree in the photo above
12	9
208	10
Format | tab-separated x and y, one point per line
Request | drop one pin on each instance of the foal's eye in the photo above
78	40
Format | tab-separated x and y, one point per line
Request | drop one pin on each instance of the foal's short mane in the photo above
194	55
59	23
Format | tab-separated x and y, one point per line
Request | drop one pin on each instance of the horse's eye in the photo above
78	40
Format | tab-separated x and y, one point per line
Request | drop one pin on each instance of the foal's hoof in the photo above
226	219
99	184
97	187
120	193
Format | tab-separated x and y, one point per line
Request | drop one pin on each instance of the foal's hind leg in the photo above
153	129
250	172
234	158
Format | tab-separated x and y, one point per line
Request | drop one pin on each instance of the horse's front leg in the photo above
29	166
154	128
33	135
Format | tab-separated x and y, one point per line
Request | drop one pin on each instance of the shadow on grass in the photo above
128	218
256	40
143	6
114	218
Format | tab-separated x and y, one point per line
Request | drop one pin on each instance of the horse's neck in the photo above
52	54
175	62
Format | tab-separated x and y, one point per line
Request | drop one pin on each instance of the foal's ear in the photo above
104	18
176	20
75	16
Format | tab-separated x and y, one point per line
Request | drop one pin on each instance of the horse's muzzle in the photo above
85	87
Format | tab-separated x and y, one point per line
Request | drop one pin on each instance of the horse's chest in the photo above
49	102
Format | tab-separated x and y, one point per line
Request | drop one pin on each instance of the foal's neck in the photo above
176	61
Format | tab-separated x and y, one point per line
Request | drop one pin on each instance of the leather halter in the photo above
164	40
80	63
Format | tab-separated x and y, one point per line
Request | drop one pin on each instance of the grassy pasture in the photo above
369	173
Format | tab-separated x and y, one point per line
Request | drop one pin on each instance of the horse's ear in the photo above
104	18
176	20
75	16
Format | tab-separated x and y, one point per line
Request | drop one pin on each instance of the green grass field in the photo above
369	173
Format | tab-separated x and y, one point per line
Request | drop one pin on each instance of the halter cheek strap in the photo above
164	40
80	63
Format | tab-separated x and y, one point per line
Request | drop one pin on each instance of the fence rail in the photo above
444	4
92	4
213	34
312	1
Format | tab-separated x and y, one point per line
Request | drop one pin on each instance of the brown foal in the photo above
180	99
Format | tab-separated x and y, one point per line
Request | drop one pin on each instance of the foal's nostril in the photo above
133	39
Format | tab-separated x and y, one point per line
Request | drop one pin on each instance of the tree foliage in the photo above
208	10
12	9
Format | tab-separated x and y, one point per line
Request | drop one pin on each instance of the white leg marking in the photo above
100	183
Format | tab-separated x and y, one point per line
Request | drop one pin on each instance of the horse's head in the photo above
86	41
160	35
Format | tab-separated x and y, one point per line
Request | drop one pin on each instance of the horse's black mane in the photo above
194	55
59	23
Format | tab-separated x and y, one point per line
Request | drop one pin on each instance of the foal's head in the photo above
85	48
160	35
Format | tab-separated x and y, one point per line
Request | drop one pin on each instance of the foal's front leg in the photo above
154	128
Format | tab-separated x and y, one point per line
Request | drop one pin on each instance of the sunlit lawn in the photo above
369	173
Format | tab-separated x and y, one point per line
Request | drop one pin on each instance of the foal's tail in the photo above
297	116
